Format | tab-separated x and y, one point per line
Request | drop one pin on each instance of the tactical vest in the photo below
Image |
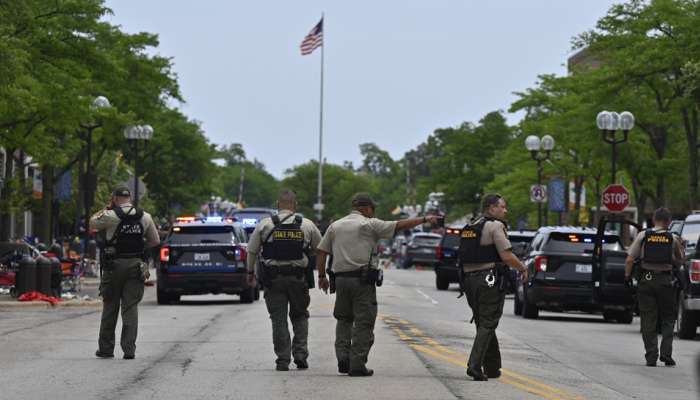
287	242
127	240
470	249
658	247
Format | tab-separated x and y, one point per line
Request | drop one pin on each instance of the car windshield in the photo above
202	234
425	240
580	242
520	239
250	218
690	232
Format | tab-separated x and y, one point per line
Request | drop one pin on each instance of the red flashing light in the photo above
164	254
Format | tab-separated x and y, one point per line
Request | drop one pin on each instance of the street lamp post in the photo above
88	177
609	122
540	150
134	134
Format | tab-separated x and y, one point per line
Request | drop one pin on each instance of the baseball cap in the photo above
363	199
121	191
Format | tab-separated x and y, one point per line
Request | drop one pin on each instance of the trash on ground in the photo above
36	296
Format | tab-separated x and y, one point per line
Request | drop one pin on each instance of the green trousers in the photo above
487	307
121	287
289	295
657	300
355	312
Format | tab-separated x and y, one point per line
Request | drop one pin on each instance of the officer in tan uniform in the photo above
124	233
287	241
352	241
658	250
484	248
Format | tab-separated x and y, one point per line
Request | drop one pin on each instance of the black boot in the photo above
668	361
475	372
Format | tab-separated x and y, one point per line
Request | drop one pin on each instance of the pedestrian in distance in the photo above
656	251
124	233
352	242
485	253
285	242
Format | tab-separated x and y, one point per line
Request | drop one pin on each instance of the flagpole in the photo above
319	202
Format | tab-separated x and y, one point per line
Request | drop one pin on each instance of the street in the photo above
215	348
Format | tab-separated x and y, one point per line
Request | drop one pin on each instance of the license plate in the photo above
584	268
201	256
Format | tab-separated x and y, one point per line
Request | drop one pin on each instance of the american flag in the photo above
313	40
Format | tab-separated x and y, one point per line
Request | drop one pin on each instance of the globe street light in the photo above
134	134
609	122
540	150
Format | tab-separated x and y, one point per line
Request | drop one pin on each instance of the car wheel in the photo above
248	295
407	263
625	317
162	297
517	304
609	315
441	282
530	311
687	321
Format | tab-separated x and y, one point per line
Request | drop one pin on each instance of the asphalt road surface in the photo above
213	347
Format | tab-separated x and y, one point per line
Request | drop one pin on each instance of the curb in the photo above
42	305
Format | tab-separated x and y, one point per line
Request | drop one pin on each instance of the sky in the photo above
394	70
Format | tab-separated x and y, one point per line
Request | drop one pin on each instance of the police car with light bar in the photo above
202	256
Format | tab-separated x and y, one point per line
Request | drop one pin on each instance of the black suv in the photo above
201	256
249	217
689	296
565	277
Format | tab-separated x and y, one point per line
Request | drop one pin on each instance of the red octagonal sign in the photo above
616	198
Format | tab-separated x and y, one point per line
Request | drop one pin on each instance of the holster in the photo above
310	280
331	281
460	277
504	279
372	276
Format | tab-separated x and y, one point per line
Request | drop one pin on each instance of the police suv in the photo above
202	256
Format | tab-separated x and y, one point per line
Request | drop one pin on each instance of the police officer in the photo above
658	250
352	241
124	232
484	248
287	241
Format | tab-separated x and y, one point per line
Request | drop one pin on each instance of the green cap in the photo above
363	199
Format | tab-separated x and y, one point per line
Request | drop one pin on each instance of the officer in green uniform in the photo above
484	249
658	250
124	233
352	241
287	240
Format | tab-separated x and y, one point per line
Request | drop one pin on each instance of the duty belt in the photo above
350	274
481	272
286	270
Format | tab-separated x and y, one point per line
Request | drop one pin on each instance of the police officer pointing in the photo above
124	232
352	242
483	251
287	240
658	250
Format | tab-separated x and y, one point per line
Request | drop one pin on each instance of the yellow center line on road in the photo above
508	381
417	340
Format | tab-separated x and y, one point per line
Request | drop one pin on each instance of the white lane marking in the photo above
432	300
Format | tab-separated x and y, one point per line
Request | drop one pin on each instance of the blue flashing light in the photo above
249	221
213	219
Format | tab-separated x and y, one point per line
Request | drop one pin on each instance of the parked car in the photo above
446	268
565	277
689	296
398	249
202	256
421	249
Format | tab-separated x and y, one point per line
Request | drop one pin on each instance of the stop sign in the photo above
616	198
